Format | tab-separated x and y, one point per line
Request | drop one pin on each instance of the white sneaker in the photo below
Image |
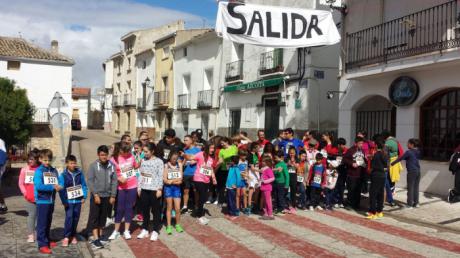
208	202
203	221
216	202
336	206
319	208
144	233
127	235
311	208
154	236
114	235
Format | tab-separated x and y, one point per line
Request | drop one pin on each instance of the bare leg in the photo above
251	192
177	208
186	192
245	198
169	204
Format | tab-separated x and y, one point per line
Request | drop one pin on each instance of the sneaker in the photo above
319	208
65	242
140	218
154	236
417	205
30	238
379	214
266	217
114	235
208	202
127	235
179	228
74	241
169	230
53	244
336	206
45	250
144	233
371	216
341	205
407	207
203	221
292	210
216	202
311	208
96	244
104	240
184	210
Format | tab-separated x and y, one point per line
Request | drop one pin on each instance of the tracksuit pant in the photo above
280	196
44	219
231	202
72	216
376	193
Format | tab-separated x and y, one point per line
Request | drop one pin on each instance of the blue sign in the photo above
403	91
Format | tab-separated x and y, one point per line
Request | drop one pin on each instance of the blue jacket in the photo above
234	177
68	179
44	194
286	144
411	157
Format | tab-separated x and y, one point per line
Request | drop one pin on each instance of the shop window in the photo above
440	125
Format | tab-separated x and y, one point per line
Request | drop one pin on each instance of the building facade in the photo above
107	99
400	73
271	89
197	76
43	73
81	105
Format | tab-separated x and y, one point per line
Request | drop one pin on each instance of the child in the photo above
241	191
317	180
150	187
342	173
411	156
172	178
102	183
281	183
253	176
139	156
125	164
45	188
302	172
73	195
202	177
234	177
331	181
293	165
266	187
379	166
26	185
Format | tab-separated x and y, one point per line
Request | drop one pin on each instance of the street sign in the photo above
58	101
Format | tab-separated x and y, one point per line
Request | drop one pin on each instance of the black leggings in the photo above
150	203
221	178
202	191
293	188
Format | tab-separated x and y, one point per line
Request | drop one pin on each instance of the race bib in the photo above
311	162
324	153
74	192
291	170
360	161
173	174
146	179
339	159
166	153
127	172
300	179
207	171
50	178
317	179
29	179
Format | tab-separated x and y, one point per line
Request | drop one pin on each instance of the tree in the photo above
16	113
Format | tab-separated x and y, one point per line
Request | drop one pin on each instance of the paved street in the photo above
327	234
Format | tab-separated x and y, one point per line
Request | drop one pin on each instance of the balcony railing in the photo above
116	101
433	29
234	71
271	62
183	101
205	99
161	98
41	116
129	99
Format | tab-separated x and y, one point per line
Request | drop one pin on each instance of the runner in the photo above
172	178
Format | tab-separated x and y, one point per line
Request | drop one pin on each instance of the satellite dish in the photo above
56	123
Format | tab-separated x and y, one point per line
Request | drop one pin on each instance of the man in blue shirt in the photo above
189	169
289	141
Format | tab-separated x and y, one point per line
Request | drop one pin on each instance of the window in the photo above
185	51
119	87
440	125
165	82
129	85
13	65
144	64
166	52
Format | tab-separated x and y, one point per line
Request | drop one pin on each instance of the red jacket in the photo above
323	180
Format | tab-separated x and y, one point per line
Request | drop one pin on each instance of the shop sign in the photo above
403	91
254	85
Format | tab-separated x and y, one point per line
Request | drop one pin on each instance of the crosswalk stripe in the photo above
350	238
245	237
216	241
296	245
390	229
142	248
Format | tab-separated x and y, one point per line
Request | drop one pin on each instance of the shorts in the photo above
188	182
172	191
98	213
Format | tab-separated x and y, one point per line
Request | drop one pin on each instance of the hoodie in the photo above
27	189
44	193
69	179
102	179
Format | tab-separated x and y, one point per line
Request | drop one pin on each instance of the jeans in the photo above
340	186
72	216
388	189
329	197
280	196
413	182
302	195
315	195
231	202
125	205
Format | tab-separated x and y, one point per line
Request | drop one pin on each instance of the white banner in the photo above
274	26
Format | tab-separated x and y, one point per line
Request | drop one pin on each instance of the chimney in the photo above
54	47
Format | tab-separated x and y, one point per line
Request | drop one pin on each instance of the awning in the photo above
254	84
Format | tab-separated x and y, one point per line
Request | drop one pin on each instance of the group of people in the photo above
133	180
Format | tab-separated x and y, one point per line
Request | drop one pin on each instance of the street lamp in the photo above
147	82
330	94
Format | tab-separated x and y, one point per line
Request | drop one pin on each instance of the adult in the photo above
126	138
393	148
356	162
261	141
144	138
290	141
168	144
3	161
198	138
189	169
224	159
367	144
276	142
309	136
454	167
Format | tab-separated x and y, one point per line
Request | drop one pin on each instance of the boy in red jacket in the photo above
317	181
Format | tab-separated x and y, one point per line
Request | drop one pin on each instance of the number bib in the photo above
317	179
127	172
49	178
311	162
146	179
291	170
360	161
29	179
300	179
166	153
74	192
207	171
174	174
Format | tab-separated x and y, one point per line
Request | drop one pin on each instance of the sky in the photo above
89	31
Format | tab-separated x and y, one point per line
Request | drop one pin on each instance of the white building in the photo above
197	76
42	73
401	73
266	88
81	105
108	96
145	73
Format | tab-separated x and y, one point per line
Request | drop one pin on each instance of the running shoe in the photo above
169	230
154	236
371	216
379	214
127	235
114	235
74	241
30	238
65	242
179	228
45	250
96	244
144	233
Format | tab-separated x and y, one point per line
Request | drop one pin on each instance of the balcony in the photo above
205	99
141	104
116	101
271	62
234	72
129	99
41	116
161	98
433	29
183	101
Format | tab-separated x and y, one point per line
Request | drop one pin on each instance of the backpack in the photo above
454	164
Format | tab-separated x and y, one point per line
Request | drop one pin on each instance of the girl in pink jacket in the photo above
267	179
